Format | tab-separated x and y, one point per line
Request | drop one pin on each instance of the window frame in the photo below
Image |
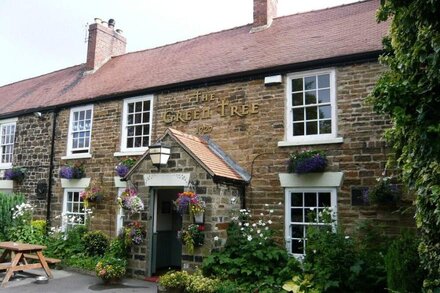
5	123
312	138
124	126
70	149
288	207
65	224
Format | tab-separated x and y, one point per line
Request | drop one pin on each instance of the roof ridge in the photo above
188	136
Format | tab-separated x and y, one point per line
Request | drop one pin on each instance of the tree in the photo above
409	92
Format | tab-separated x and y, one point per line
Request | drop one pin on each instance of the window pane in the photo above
146	105
138	118
297	215
310	82
324	80
311	215
138	107
297	99
324	96
311	113
324	199
311	97
130	131
145	141
297	231
297	246
310	199
81	115
138	131
130	119
130	142
297	84
145	117
325	112
146	129
88	114
312	128
130	107
137	142
297	199
298	128
298	114
325	126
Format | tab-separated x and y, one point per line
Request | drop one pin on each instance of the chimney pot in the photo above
103	44
119	31
98	20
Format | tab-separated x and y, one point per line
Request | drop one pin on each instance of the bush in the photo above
110	268
174	279
95	243
7	202
199	284
401	261
118	248
250	256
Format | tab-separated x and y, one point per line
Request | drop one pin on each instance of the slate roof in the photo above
348	30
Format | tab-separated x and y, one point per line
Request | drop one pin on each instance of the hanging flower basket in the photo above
307	162
198	217
189	201
93	193
124	166
134	233
130	201
193	236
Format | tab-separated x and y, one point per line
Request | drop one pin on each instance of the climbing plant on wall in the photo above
409	91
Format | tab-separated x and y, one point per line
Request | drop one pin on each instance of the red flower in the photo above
201	228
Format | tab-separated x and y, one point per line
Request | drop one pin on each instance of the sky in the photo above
41	36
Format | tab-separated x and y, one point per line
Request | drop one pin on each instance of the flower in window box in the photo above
17	174
124	166
129	200
73	171
134	233
193	236
307	161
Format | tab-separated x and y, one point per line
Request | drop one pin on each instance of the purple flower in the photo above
316	163
16	174
66	172
122	170
9	174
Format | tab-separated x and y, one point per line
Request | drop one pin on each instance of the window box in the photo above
75	183
119	183
6	184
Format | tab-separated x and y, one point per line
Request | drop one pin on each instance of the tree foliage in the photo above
410	93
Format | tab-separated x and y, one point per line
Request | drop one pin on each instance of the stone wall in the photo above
221	201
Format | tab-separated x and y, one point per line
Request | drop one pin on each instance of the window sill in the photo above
76	156
129	153
311	142
75	183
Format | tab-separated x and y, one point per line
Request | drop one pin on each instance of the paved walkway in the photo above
67	281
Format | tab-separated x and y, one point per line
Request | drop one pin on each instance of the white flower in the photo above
242	229
271	211
312	209
261	235
347	237
246	224
266	205
279	203
267	228
254	225
314	250
216	238
261	214
215	228
269	222
249	238
258	231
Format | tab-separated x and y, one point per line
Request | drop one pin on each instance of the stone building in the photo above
231	105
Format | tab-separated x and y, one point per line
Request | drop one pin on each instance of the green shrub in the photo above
199	284
174	279
402	262
118	248
64	246
109	268
250	257
95	243
7	202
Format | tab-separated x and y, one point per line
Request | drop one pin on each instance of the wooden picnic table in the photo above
15	258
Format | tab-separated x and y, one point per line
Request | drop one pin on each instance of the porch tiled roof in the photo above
199	149
297	39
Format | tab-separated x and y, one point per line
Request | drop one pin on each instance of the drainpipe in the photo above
51	167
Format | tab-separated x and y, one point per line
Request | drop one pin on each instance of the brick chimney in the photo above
264	12
104	42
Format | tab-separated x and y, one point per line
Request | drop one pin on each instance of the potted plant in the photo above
193	237
134	233
130	201
73	171
124	166
111	269
92	193
307	161
173	281
16	174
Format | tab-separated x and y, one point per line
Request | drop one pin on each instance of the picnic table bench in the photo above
16	255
